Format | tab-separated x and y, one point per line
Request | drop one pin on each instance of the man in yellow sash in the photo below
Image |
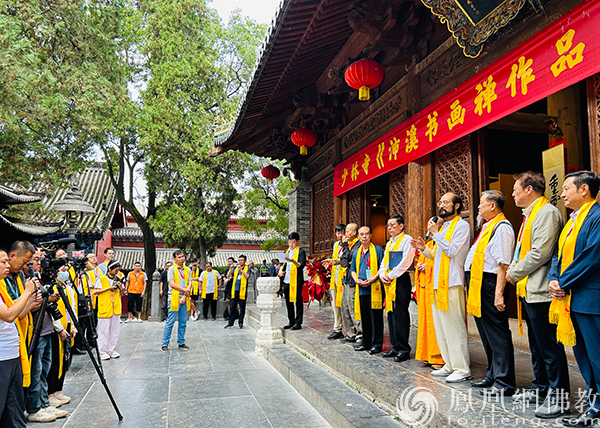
13	350
292	272
195	292
365	271
239	283
180	287
352	326
575	286
485	276
536	244
336	286
398	258
210	281
450	251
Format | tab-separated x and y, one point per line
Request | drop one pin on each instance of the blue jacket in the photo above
362	274
582	277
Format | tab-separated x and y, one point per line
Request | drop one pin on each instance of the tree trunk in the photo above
202	257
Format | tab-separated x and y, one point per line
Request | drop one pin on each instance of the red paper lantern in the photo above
270	172
364	75
304	138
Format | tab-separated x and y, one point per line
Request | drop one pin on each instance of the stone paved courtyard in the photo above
220	382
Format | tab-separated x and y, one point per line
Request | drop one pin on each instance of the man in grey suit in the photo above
536	244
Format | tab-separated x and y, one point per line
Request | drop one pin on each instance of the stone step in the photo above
404	390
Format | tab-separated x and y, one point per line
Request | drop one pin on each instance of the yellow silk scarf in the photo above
390	290
335	268
525	242
25	363
195	284
474	298
376	293
294	275
560	310
242	285
205	282
175	293
444	274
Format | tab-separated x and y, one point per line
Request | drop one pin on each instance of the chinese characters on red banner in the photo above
565	53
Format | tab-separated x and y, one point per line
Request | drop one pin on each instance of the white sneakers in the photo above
58	399
138	320
54	402
127	320
47	414
114	354
104	356
441	372
457	377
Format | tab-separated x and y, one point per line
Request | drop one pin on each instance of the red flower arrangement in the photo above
318	284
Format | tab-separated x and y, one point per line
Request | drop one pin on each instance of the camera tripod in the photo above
87	346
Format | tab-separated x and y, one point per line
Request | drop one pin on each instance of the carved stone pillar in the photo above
155	306
268	303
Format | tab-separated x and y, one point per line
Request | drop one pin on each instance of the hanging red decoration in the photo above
270	172
364	75
304	137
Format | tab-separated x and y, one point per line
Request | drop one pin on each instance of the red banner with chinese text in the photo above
561	55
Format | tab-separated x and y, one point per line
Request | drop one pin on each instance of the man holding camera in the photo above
14	365
108	290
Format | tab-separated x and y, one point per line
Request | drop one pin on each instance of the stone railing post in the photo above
155	305
268	303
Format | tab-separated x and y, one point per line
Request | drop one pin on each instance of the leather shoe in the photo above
360	348
389	354
584	419
374	351
530	396
485	383
288	326
402	357
335	335
552	408
228	325
348	339
296	327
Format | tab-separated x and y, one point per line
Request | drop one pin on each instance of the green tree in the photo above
264	200
199	69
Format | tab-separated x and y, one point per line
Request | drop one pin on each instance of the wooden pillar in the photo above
593	110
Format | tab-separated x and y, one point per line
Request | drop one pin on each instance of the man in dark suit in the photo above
577	271
164	292
295	262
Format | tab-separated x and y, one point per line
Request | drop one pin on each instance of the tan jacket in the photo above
544	243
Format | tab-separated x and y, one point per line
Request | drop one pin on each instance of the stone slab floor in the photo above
219	382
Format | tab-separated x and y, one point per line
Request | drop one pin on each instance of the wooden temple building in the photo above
473	92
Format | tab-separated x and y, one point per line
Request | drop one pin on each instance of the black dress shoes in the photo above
348	339
389	354
296	327
485	383
374	351
401	357
335	335
585	419
360	348
288	326
494	392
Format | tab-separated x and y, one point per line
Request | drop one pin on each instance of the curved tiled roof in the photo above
33	228
134	234
12	196
96	190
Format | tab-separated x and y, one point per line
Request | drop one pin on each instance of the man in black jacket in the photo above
292	273
164	292
352	328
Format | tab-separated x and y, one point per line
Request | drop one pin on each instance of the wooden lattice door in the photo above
398	191
322	224
454	173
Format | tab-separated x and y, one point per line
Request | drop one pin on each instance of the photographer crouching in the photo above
14	362
109	290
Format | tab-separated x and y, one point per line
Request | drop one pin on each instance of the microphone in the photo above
435	219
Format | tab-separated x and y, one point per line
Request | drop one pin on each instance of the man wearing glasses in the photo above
449	253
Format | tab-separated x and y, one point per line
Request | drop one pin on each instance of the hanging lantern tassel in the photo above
304	138
364	75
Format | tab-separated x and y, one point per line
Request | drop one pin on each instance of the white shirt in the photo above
210	280
498	250
408	256
457	250
9	338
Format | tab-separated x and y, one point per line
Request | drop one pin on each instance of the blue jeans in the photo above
181	316
37	394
